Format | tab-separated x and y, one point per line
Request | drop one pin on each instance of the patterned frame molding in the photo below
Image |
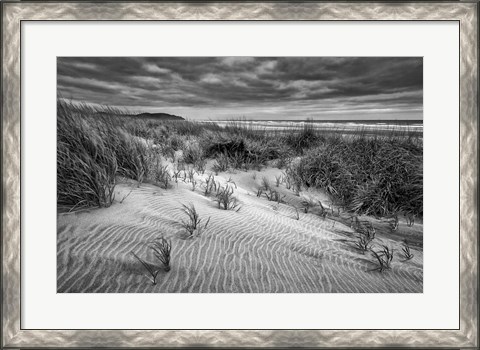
15	12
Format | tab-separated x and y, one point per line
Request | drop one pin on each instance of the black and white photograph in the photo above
239	174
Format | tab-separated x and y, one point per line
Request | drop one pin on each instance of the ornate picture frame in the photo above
14	13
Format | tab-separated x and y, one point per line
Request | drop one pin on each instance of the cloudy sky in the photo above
249	87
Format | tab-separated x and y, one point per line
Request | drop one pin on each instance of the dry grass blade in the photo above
153	273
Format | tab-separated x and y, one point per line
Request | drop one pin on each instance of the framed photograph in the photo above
239	174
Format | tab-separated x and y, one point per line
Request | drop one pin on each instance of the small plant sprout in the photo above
410	219
125	196
393	223
162	175
236	160
209	185
384	258
166	180
361	225
226	200
307	204
288	181
192	225
201	164
273	196
407	254
363	242
222	163
323	211
297	217
297	189
278	180
366	234
194	185
191	174
161	249
231	181
176	175
265	183
254	175
246	165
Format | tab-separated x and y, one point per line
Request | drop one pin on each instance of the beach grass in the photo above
380	175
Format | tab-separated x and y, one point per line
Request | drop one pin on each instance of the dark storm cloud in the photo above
293	86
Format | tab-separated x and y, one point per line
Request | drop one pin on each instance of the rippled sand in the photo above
262	248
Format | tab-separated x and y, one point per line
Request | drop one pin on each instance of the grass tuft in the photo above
384	258
161	249
226	200
407	254
192	225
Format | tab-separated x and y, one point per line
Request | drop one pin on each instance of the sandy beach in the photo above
261	248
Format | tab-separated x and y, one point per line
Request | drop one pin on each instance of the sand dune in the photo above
262	248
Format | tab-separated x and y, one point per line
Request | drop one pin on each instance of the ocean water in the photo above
346	127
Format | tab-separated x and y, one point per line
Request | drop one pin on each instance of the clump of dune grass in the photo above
176	175
265	184
192	152
323	211
278	180
294	181
407	254
210	186
308	204
86	164
221	164
237	160
369	175
93	147
193	223
230	181
201	165
161	174
191	174
363	174
273	195
393	223
410	218
226	200
161	248
303	138
364	240
383	258
366	233
150	268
